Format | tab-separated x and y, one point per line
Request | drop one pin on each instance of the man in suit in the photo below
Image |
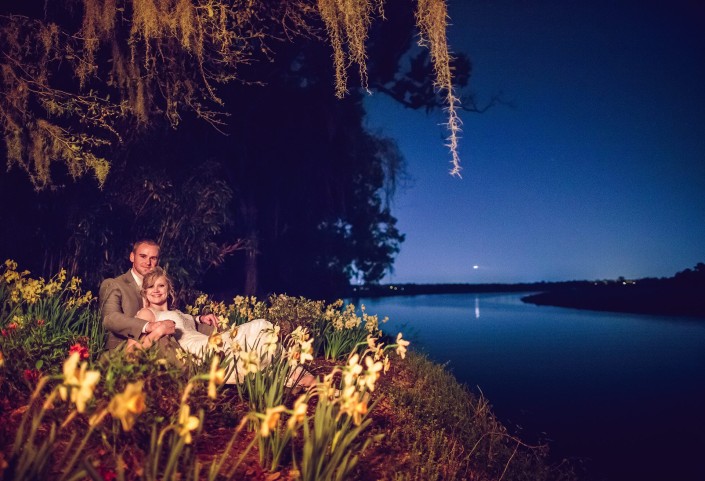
120	299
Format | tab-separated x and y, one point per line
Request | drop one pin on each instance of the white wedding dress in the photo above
249	337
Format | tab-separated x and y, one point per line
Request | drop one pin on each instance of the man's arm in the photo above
114	318
206	323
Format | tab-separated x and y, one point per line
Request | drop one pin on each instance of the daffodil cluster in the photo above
291	311
26	289
248	308
342	319
204	303
371	321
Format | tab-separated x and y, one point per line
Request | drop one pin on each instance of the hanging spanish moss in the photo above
82	76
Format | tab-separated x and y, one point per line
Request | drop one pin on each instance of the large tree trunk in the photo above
251	268
249	214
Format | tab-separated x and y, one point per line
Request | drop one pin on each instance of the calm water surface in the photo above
624	393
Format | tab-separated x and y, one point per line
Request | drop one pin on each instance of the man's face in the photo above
144	259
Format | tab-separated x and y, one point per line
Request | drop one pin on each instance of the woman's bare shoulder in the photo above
146	314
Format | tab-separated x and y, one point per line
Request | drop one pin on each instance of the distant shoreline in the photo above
666	300
681	295
388	290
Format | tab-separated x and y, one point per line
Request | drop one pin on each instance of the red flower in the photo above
80	349
12	326
31	375
40	322
4	332
107	474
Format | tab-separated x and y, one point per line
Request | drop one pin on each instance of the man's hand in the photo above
209	319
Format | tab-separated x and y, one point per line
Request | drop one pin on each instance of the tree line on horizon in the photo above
688	279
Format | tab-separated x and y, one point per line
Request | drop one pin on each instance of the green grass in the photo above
441	431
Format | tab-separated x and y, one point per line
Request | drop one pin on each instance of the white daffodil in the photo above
401	346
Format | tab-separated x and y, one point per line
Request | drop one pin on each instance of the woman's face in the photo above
159	292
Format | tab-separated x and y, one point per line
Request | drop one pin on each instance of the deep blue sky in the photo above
598	172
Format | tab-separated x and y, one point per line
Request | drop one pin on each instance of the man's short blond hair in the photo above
149	242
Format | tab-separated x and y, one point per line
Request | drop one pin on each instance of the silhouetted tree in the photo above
298	190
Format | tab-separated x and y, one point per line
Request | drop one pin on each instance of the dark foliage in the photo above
294	198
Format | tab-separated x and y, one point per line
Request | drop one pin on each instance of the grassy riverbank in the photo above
435	429
69	412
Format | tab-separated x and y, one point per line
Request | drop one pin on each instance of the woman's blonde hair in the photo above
151	278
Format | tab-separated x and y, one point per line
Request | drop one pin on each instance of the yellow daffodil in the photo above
52	288
187	423
11	276
271	418
307	351
2	359
299	414
215	342
79	383
347	393
271	339
401	346
249	361
386	363
354	406
293	355
360	410
235	347
32	290
300	334
216	377
127	405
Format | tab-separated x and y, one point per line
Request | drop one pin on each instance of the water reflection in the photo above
585	378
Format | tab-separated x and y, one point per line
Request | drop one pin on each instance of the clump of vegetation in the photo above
78	77
71	411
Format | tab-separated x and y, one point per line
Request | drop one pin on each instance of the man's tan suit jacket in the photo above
119	300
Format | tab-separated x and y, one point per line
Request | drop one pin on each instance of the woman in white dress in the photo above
157	290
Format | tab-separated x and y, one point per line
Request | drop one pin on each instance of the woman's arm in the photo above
146	315
155	333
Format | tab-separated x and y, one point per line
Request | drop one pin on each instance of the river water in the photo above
621	394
